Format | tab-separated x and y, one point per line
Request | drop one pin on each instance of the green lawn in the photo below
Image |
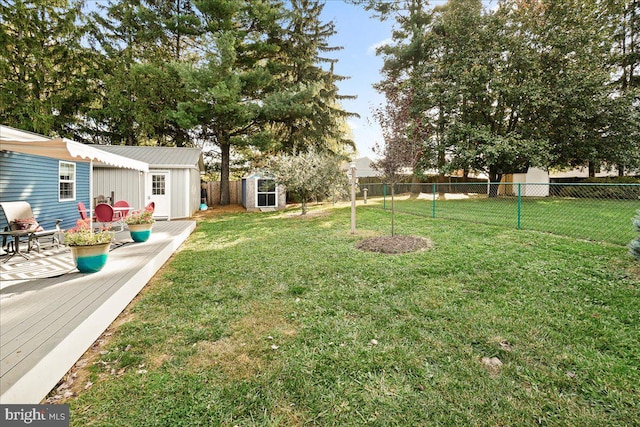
266	319
582	218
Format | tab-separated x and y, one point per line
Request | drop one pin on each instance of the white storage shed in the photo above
261	193
172	183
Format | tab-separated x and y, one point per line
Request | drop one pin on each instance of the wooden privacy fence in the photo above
213	192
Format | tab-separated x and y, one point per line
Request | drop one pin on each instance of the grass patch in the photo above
269	319
590	219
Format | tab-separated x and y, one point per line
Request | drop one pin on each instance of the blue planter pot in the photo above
90	259
140	232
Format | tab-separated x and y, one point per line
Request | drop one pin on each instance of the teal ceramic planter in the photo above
90	259
140	232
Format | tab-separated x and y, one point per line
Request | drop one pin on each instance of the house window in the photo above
66	181
267	194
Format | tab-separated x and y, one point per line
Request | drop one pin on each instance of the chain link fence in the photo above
599	212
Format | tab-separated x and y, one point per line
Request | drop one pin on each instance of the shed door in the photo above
158	192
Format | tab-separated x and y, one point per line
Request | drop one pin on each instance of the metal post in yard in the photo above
352	171
365	195
433	205
519	203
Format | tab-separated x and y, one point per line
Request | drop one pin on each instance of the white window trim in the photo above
262	192
74	181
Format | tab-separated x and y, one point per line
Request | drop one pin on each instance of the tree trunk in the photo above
440	186
494	182
225	150
592	169
620	170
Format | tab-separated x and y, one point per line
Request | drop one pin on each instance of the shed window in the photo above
267	194
66	181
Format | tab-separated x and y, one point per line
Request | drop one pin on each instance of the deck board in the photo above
47	324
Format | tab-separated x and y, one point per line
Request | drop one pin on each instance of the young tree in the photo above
398	154
308	175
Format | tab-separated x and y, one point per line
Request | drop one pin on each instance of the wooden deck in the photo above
47	324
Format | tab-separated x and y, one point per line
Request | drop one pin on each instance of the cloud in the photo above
372	49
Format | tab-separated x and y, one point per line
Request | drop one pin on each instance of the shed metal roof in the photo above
159	157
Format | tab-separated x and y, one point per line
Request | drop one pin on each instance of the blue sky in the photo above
358	34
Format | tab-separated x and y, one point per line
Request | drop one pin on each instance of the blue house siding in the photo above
34	179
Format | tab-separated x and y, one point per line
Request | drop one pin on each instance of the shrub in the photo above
594	191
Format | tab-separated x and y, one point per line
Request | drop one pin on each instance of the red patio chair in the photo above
82	210
122	204
106	215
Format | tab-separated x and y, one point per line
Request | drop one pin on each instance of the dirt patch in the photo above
395	244
214	211
243	353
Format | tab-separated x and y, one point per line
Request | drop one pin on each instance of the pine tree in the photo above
139	85
229	88
307	113
43	65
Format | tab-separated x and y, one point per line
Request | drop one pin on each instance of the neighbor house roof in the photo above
363	167
20	141
159	157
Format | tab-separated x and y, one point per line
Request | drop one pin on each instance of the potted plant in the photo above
140	223
89	248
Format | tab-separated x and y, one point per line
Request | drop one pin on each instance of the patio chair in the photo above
20	217
82	210
122	204
106	215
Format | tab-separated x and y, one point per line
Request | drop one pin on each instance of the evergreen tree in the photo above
43	65
140	86
306	113
227	104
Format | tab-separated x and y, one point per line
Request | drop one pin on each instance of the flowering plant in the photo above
143	216
83	235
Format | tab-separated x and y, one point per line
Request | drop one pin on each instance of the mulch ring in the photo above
395	244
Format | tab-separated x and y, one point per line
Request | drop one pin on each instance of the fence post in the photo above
384	196
433	204
519	203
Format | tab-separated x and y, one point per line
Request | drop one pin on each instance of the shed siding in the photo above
34	179
126	184
194	179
